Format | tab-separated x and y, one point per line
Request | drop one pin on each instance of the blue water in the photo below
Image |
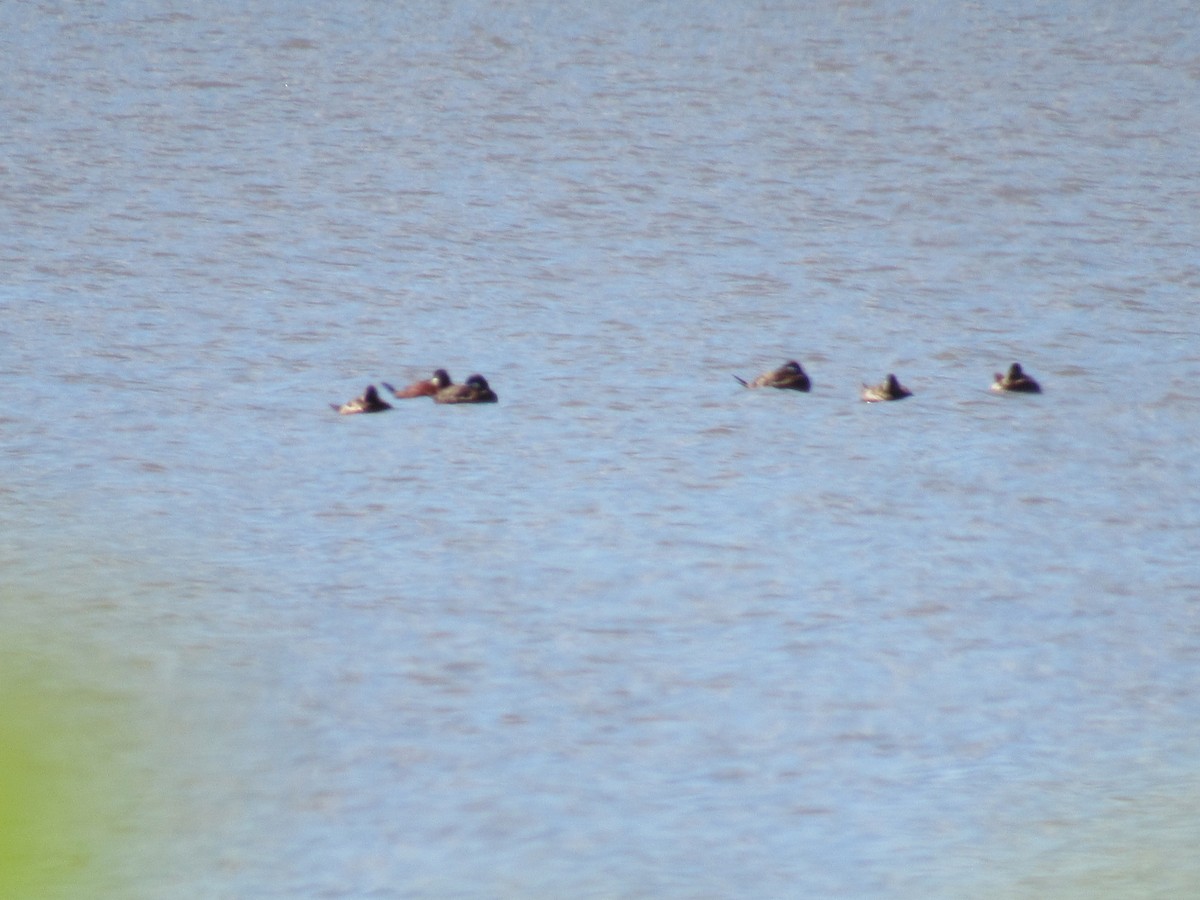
633	631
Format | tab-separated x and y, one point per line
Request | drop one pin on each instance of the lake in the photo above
633	631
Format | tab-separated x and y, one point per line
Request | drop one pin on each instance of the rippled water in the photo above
634	631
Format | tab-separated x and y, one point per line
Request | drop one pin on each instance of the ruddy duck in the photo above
790	376
1016	380
888	389
426	388
474	390
369	402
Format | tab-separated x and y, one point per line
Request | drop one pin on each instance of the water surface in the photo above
634	631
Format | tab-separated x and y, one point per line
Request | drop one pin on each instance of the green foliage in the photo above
65	778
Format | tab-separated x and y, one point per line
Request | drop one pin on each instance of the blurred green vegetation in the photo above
1143	846
121	760
68	783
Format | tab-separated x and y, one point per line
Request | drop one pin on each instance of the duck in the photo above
425	388
474	390
790	376
369	402
888	389
1016	380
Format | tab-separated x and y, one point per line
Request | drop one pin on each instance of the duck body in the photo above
1016	381
790	376
427	387
369	402
888	389
474	390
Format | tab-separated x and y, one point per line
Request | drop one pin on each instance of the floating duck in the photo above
790	376
425	388
369	402
1016	380
888	389
474	390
